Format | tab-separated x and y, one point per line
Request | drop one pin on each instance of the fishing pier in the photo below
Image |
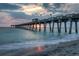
35	23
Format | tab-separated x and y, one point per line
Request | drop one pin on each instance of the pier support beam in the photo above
76	29
44	27
50	26
58	27
53	26
39	27
36	27
70	29
33	26
65	25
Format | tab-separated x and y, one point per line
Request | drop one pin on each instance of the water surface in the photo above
14	38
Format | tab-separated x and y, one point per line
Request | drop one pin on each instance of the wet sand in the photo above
70	48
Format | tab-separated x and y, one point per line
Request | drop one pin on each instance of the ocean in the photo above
14	39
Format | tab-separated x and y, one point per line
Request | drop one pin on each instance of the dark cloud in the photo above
58	5
20	15
45	5
7	6
55	7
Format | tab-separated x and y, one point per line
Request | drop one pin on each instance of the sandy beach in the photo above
62	49
70	48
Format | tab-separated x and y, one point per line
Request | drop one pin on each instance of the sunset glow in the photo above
30	9
39	29
19	13
39	49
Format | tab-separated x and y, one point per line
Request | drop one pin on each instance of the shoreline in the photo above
70	48
62	49
67	45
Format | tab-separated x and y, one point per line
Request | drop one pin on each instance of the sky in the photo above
17	13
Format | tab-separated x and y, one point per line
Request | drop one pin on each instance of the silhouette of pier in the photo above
33	25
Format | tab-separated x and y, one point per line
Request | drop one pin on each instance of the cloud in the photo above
21	13
6	20
72	8
62	7
7	6
33	9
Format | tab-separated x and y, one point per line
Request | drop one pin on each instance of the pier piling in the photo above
70	29
44	27
58	27
76	29
65	25
39	27
36	27
50	26
53	26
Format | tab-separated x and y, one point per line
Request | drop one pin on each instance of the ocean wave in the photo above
31	44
